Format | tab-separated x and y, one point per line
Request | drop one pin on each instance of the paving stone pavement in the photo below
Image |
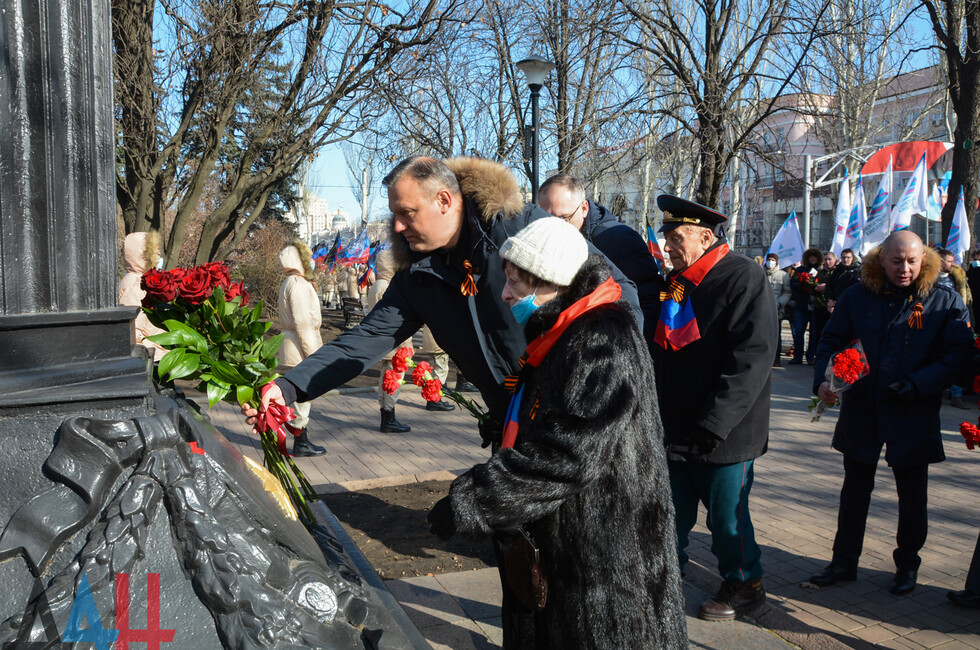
794	510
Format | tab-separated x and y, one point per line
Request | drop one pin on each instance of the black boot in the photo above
303	447
390	425
441	405
463	386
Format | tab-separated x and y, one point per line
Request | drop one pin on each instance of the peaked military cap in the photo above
678	211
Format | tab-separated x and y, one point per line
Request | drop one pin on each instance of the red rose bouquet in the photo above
844	370
432	388
213	338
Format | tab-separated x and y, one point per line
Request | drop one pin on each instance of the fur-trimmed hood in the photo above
874	279
297	259
141	251
492	188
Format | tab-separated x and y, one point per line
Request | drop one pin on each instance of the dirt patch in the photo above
388	525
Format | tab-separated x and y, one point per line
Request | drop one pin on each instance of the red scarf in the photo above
606	293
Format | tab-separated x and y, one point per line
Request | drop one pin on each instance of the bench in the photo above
353	312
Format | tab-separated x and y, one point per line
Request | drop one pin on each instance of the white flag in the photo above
937	199
841	215
855	222
915	198
879	220
788	243
958	241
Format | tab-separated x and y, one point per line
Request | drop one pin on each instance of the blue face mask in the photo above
523	308
975	263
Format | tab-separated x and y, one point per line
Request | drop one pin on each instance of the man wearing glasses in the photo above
563	196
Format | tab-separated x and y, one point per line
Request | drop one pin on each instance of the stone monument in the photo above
124	515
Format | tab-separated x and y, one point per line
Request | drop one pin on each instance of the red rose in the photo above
400	361
159	287
420	372
391	381
195	287
177	274
432	390
235	290
220	276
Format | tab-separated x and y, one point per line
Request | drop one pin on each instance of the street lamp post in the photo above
535	69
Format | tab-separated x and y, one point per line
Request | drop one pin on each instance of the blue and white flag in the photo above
958	241
788	243
937	199
841	215
855	223
879	222
915	198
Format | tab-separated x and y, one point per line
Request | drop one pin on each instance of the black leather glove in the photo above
901	390
491	432
442	521
705	441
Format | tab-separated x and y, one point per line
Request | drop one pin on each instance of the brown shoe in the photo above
732	601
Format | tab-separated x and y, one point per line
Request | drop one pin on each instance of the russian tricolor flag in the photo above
655	248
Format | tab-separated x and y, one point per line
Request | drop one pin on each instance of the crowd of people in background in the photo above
561	317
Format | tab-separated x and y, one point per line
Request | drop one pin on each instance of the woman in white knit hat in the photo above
581	474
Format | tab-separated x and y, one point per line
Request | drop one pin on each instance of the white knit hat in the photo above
551	249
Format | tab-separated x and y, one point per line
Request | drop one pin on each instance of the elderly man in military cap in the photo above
713	349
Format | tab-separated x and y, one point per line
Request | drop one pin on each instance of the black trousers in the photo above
855	497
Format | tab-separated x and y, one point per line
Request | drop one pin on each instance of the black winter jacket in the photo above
842	279
877	313
721	382
624	247
478	332
589	472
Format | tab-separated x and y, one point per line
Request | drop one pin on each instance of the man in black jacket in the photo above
448	219
563	196
916	338
713	349
846	273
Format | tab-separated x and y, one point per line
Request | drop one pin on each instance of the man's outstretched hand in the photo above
270	393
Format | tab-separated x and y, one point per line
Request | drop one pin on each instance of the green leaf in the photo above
257	310
188	365
168	339
216	394
170	359
271	346
244	394
226	372
191	338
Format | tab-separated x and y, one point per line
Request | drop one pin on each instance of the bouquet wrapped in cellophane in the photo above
214	338
844	369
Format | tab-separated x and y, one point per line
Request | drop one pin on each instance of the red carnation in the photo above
196	286
159	287
219	274
804	277
235	290
971	434
420	372
391	381
432	390
848	365
400	361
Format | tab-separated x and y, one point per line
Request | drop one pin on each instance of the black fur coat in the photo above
590	472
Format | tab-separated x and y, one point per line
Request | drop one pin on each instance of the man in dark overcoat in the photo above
564	197
916	337
713	349
448	220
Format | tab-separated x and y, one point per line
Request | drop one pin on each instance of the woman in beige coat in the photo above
141	250
299	320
